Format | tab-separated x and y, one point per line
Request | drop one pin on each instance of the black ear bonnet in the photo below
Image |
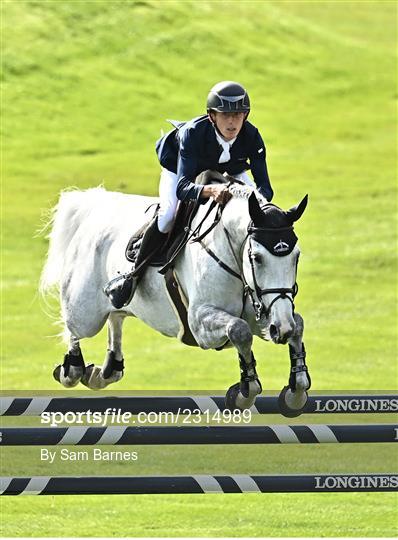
272	227
279	242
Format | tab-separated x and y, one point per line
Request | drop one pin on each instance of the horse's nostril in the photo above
289	333
285	336
273	332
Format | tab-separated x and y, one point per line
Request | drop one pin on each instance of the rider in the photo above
222	140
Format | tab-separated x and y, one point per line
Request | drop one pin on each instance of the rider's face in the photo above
228	123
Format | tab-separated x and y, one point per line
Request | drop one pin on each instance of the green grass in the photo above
225	515
86	89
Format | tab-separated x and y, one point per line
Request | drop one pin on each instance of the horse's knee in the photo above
238	331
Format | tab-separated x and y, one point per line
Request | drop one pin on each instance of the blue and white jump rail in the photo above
175	435
322	404
238	483
199	434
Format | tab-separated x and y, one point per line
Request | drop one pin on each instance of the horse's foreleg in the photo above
243	394
73	369
212	328
293	397
97	377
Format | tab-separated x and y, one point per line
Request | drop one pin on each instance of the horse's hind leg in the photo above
72	370
97	377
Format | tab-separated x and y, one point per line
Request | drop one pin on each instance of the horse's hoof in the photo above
291	404
235	400
57	373
231	397
94	377
68	382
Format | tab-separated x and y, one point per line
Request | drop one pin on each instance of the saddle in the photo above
176	241
178	235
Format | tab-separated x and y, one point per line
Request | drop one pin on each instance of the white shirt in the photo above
226	146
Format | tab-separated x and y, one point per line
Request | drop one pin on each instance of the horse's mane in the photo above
243	191
274	217
240	191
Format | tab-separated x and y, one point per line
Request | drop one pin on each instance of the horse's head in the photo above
270	266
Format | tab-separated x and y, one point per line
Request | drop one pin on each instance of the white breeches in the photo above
169	201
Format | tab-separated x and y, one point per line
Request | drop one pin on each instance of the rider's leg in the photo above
121	290
168	200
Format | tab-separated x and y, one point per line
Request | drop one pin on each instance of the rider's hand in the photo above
218	192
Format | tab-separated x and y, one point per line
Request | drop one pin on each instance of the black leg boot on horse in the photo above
121	289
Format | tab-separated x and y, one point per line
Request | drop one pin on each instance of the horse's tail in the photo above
66	218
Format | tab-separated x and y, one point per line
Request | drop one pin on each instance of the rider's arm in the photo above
186	173
259	170
187	168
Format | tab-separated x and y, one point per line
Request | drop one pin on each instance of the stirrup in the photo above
120	290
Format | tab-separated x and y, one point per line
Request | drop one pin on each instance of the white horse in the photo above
239	281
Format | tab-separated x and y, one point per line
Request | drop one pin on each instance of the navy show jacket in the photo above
193	148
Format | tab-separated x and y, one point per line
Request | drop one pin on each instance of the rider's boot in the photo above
121	289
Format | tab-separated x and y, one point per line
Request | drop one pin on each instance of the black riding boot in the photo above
120	290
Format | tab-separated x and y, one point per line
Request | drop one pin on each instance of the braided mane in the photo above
243	191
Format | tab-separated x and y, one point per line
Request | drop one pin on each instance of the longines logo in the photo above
356	405
356	482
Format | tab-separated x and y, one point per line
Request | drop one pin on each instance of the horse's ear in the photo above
254	209
295	212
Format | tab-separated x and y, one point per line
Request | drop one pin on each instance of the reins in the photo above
258	304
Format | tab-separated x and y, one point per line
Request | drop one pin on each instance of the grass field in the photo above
86	88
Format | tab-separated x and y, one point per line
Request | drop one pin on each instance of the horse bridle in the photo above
258	304
259	307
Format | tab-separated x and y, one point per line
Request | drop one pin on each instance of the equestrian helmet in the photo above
228	96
